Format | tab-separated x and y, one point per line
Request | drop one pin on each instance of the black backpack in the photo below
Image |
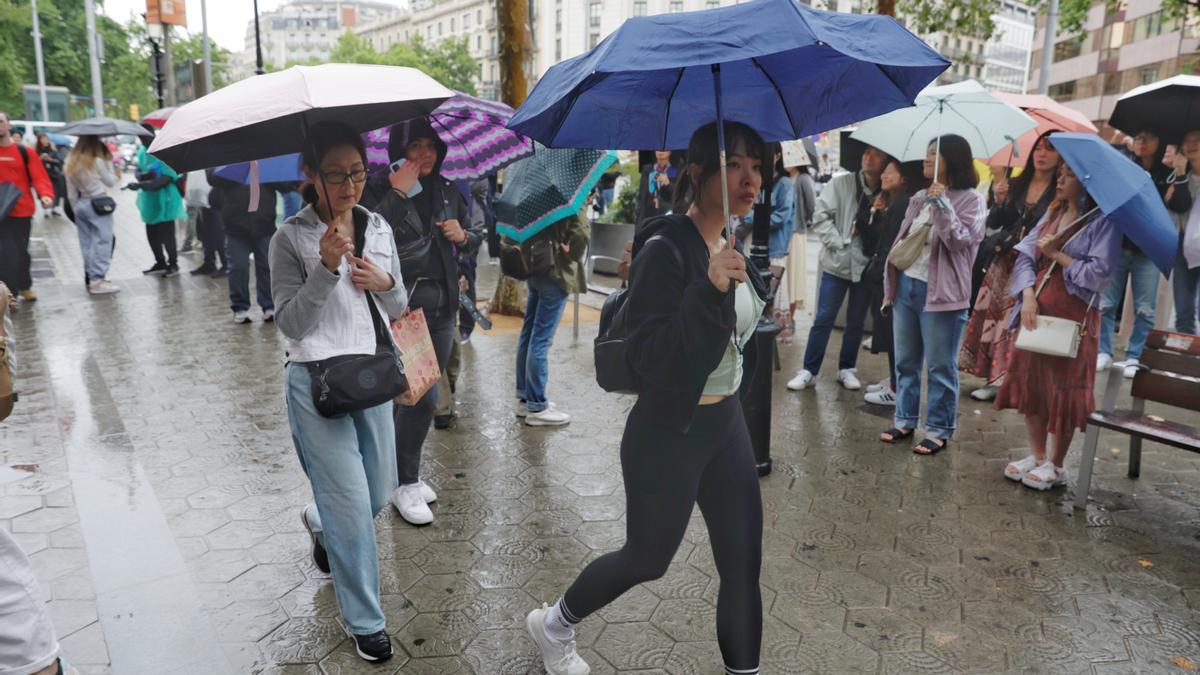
528	259
613	373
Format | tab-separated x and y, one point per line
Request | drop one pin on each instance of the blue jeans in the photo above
1186	284
1134	265
351	463
95	239
546	302
241	246
832	291
931	338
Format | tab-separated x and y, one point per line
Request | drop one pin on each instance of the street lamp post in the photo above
208	83
94	59
1048	47
258	42
41	68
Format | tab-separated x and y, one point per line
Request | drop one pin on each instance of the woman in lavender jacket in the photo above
929	300
1077	248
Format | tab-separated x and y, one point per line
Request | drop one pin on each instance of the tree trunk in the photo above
516	48
885	7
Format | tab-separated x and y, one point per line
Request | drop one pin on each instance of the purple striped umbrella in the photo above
477	141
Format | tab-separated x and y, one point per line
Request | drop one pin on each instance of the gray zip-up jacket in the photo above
833	222
321	313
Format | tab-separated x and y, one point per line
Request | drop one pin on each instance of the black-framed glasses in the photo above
340	177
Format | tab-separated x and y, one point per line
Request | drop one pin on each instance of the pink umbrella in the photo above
159	117
1049	114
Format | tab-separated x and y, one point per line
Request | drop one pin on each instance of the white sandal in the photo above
1017	470
1045	477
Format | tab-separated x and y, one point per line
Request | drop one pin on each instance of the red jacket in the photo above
12	170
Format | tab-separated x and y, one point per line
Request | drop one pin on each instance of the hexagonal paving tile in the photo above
631	646
441	634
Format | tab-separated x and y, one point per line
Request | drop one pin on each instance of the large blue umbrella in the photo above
1123	191
783	68
279	169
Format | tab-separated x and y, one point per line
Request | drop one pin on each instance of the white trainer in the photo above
411	504
427	492
1131	368
801	381
558	656
985	393
885	383
523	410
881	397
550	417
102	287
1103	361
849	379
241	317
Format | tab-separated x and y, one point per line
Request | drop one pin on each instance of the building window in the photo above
1063	90
639	8
593	40
429	31
558	49
439	29
676	6
1112	84
493	70
479	44
467	21
493	44
1149	75
558	20
711	4
1068	49
453	23
594	11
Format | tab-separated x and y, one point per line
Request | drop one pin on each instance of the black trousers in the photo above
667	473
162	242
412	422
466	322
14	253
211	233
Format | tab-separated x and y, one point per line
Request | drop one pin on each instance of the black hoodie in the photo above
679	323
426	256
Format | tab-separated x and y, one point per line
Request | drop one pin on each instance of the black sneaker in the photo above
172	271
158	268
203	269
373	647
319	555
220	272
443	421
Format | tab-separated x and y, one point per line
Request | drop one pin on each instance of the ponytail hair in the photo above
703	151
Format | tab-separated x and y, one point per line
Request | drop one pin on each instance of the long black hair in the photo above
323	137
703	151
1019	187
959	162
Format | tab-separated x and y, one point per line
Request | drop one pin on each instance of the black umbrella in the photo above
1171	107
104	126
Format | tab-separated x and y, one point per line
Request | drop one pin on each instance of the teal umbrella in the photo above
547	187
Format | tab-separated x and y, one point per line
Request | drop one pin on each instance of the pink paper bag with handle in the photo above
416	353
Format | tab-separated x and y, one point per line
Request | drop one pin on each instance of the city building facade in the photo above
1123	45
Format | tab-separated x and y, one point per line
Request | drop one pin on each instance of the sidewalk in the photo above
163	520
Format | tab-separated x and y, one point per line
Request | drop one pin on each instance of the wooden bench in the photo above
1169	373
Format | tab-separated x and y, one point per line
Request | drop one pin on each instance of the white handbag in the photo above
1054	336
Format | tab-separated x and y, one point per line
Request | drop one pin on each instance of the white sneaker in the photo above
881	397
427	492
1045	477
885	383
987	393
102	287
1103	361
241	317
558	656
547	418
1131	368
523	410
409	501
801	381
849	379
268	315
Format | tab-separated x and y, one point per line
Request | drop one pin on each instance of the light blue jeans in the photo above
95	239
931	339
542	313
351	463
1136	266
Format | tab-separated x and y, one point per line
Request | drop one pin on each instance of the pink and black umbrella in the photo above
158	118
478	143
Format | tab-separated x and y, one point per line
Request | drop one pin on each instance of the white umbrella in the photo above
964	108
269	115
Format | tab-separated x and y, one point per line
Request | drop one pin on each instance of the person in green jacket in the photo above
548	293
160	203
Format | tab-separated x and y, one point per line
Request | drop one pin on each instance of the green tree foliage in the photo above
974	17
448	62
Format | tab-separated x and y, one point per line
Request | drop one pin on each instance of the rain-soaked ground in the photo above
163	517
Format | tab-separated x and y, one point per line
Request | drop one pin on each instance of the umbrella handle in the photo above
716	71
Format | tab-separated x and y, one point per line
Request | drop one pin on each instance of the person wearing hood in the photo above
431	225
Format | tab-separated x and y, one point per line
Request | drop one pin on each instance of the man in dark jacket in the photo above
247	233
431	226
656	187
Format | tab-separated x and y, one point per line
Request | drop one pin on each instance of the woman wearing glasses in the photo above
432	228
335	278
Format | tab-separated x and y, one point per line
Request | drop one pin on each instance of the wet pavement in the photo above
163	520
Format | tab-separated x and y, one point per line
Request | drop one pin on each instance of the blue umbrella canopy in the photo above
280	169
785	69
1123	191
547	187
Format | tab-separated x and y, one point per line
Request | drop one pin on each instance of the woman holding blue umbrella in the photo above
690	312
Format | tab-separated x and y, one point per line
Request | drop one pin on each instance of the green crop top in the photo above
727	377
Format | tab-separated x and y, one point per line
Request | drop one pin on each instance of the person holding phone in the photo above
432	226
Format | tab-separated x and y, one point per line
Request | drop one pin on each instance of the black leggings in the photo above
162	242
667	472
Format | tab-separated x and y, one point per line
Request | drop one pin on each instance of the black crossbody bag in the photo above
343	384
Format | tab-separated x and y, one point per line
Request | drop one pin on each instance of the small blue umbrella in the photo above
547	187
781	67
1123	191
279	169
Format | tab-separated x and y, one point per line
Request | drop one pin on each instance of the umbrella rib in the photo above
667	121
778	91
973	125
562	120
